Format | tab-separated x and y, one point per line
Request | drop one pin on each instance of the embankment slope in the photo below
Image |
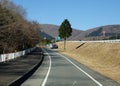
101	57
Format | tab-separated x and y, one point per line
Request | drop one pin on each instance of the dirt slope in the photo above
102	57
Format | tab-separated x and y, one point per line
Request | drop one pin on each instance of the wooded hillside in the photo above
16	32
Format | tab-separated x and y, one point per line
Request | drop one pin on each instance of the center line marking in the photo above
82	70
46	77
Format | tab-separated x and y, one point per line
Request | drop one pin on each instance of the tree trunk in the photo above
64	43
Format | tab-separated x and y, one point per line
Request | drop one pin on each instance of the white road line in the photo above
46	77
82	70
74	83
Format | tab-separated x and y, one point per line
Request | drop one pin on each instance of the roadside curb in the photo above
24	77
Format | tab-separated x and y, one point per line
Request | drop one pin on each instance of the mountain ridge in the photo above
90	34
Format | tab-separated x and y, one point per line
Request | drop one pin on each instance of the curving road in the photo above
59	70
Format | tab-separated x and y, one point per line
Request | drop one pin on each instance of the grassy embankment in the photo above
101	57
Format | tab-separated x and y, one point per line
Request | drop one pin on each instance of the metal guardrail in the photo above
10	56
104	41
99	41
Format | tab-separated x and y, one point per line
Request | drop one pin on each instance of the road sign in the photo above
58	38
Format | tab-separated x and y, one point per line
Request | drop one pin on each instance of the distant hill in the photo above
109	30
51	32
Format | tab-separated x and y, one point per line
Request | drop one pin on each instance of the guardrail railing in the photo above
10	56
102	41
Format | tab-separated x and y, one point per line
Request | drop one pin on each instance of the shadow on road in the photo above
14	72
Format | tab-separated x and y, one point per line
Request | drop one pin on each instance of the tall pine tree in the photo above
65	31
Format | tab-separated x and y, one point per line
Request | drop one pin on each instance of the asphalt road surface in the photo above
59	70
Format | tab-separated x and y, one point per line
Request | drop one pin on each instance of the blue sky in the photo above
82	14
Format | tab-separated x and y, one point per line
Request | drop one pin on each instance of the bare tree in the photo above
16	33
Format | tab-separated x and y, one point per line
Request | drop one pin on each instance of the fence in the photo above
10	56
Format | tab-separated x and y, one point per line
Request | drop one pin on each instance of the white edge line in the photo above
82	70
46	77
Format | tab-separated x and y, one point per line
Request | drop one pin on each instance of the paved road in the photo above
59	70
14	71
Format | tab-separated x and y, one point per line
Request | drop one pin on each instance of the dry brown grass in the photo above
101	57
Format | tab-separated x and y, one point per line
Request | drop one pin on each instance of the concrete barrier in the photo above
10	56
